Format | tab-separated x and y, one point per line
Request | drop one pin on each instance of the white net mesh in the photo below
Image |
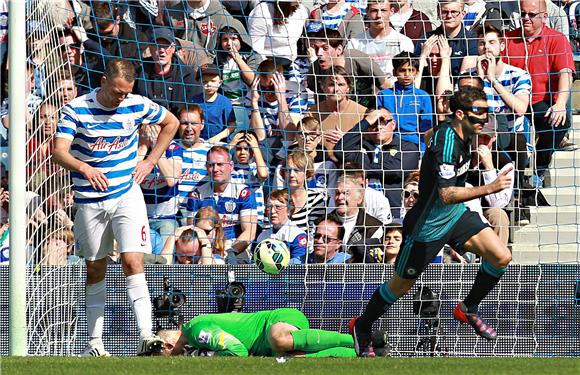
326	83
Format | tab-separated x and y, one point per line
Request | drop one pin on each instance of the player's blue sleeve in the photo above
298	249
153	112
446	160
68	124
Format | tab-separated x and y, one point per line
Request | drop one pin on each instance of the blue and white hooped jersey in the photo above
235	202
294	237
162	200
193	169
248	175
106	139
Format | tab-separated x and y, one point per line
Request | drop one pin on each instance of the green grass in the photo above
310	366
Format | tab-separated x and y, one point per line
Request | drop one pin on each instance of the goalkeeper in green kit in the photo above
264	333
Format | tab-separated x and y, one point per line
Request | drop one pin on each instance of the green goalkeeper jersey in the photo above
239	334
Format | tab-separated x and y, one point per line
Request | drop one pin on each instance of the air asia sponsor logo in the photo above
103	145
189	174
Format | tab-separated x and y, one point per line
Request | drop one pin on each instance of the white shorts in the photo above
123	219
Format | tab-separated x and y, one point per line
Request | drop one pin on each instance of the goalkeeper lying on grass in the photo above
264	333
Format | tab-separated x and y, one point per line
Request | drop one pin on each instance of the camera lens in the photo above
236	291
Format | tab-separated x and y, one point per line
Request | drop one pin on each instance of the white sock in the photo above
141	302
95	299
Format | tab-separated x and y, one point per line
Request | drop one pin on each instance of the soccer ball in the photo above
272	256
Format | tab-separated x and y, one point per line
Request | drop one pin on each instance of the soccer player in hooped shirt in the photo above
235	203
97	140
263	333
283	228
439	217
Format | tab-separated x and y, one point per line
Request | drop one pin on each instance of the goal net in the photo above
296	81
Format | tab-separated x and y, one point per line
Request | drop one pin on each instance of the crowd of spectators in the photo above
303	121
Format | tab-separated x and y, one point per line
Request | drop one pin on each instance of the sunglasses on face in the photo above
529	15
326	239
381	122
413	194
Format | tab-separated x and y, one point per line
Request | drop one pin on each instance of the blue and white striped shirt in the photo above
161	199
518	82
106	139
248	175
193	169
333	21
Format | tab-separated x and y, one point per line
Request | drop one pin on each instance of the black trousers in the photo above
548	138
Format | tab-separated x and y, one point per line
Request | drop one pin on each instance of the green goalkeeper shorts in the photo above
293	317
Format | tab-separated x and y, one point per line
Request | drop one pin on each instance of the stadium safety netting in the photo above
294	82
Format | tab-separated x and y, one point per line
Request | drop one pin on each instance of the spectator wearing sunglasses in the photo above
410	193
328	242
546	54
386	158
166	79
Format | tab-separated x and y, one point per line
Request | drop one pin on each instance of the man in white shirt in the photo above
381	42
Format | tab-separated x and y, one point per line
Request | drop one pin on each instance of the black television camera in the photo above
169	304
426	305
232	298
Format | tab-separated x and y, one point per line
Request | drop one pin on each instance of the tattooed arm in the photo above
457	194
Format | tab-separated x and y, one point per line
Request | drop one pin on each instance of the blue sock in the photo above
487	278
379	303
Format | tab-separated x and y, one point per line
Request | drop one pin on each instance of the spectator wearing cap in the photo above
338	15
166	79
219	116
328	245
199	21
546	54
330	49
380	41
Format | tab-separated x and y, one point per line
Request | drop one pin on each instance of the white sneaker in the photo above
95	349
150	345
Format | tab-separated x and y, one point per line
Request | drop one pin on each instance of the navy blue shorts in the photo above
415	256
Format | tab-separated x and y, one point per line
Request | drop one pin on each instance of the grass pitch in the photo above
293	366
